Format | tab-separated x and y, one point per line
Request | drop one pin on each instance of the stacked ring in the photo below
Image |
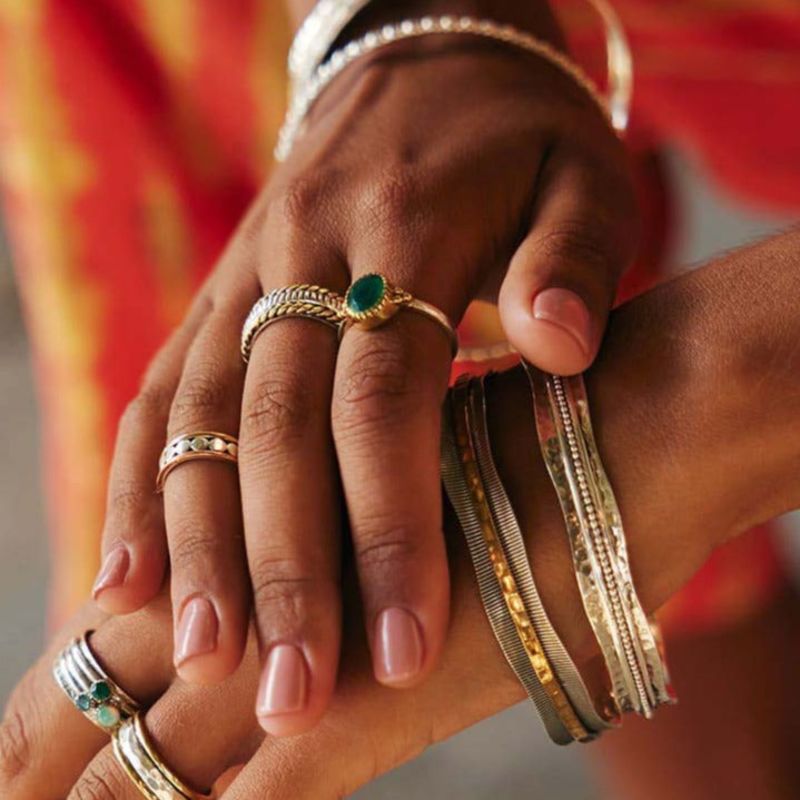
298	300
137	756
371	301
89	688
190	446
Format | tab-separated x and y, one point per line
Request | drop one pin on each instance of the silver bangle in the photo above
597	541
491	595
315	37
410	29
510	534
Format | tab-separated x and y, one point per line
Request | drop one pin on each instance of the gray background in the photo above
501	757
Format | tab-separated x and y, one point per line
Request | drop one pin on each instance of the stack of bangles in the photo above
629	642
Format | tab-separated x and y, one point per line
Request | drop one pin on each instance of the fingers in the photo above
44	740
209	582
290	496
134	538
561	282
198	732
390	383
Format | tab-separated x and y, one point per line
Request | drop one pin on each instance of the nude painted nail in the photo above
564	308
113	571
197	630
284	683
398	646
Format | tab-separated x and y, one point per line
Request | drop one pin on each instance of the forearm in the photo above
695	400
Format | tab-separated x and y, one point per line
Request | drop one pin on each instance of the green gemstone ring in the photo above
89	688
371	301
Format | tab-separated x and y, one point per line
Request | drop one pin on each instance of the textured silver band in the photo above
516	553
491	596
597	543
89	687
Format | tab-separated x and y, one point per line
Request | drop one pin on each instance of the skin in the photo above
694	400
527	197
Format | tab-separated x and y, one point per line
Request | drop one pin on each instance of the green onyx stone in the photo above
101	691
107	716
366	293
83	702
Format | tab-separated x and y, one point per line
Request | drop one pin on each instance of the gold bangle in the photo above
151	776
371	301
514	603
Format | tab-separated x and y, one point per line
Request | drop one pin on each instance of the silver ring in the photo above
90	689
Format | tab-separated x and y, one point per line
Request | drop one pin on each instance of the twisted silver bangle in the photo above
315	37
492	599
308	93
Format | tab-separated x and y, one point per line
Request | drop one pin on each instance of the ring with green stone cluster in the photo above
371	301
90	689
191	446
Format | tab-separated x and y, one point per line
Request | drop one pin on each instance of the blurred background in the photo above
503	756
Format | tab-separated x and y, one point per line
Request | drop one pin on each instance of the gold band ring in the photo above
190	446
137	756
297	300
371	301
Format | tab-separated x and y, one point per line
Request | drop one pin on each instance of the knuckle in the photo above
576	241
192	546
201	398
395	195
15	749
378	545
380	386
100	781
301	199
130	501
150	406
279	410
283	585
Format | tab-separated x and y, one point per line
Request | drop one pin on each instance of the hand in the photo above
667	391
514	183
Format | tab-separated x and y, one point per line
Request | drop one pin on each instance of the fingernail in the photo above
398	646
564	308
284	683
113	571
197	630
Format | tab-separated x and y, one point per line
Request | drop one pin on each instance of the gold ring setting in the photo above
198	445
371	301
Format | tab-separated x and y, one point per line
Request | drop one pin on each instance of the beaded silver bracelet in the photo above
638	673
307	94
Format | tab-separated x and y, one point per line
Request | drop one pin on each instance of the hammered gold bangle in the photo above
148	772
514	603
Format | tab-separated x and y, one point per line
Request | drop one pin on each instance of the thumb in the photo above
561	282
